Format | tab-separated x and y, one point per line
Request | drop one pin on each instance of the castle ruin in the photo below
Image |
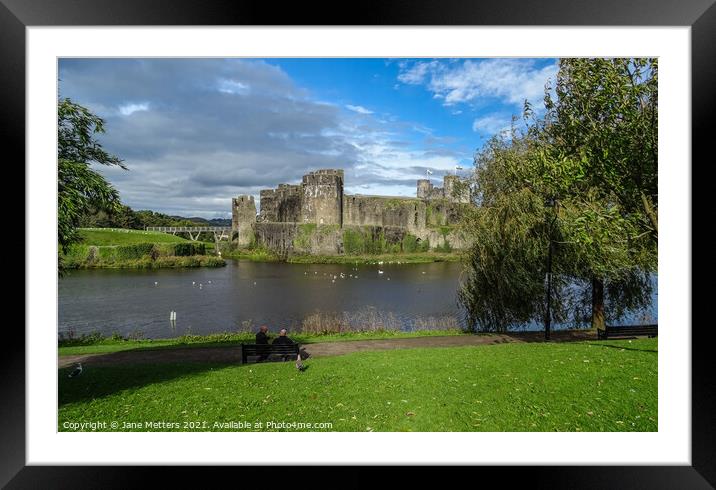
320	200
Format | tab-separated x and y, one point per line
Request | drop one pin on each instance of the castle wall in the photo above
315	217
454	190
243	215
278	237
441	212
269	205
425	188
288	203
322	200
384	211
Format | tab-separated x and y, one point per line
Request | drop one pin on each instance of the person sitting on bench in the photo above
262	339
282	339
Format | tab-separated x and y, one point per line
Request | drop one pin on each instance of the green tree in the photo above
79	187
594	154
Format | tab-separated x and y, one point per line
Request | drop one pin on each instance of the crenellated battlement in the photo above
319	199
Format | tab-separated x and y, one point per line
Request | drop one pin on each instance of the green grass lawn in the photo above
108	345
569	386
118	236
123	248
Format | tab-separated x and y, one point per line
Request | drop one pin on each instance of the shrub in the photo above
134	251
353	242
212	261
163	249
445	247
70	337
410	243
376	244
186	249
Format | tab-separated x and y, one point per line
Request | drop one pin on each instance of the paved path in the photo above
233	354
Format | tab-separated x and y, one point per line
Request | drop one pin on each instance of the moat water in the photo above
245	295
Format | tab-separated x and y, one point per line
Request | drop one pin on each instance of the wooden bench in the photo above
269	352
627	331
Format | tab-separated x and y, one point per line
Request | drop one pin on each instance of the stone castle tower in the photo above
451	190
243	214
425	188
322	199
455	190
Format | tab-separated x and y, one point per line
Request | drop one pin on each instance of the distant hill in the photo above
125	217
204	221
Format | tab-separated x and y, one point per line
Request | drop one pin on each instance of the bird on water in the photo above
77	371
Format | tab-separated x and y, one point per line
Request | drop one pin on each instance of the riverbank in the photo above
110	248
264	255
520	386
144	262
402	258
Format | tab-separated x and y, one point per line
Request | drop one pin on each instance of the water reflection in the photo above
244	295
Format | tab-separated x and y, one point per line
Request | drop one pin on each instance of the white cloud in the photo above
196	145
512	80
492	123
233	87
416	74
129	109
359	109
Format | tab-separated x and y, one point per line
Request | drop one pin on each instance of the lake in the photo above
249	294
244	295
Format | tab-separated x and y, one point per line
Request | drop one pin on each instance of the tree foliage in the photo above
79	187
593	155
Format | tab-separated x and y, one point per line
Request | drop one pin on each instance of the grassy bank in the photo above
401	258
573	386
96	344
264	255
253	255
137	249
118	236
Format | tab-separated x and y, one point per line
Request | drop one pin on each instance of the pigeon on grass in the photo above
76	372
299	364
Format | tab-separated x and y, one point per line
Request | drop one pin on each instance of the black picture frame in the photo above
700	15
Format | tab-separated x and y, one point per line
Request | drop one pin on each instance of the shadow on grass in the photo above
151	347
106	374
101	381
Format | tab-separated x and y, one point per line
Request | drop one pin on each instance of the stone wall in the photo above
312	239
315	217
384	211
322	199
288	206
278	237
441	212
426	190
243	216
269	205
455	190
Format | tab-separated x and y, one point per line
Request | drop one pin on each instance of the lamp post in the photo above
549	203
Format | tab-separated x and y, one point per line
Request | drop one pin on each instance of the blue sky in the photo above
196	132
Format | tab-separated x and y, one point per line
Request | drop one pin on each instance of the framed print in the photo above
427	237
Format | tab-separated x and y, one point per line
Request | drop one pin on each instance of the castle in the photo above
320	200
